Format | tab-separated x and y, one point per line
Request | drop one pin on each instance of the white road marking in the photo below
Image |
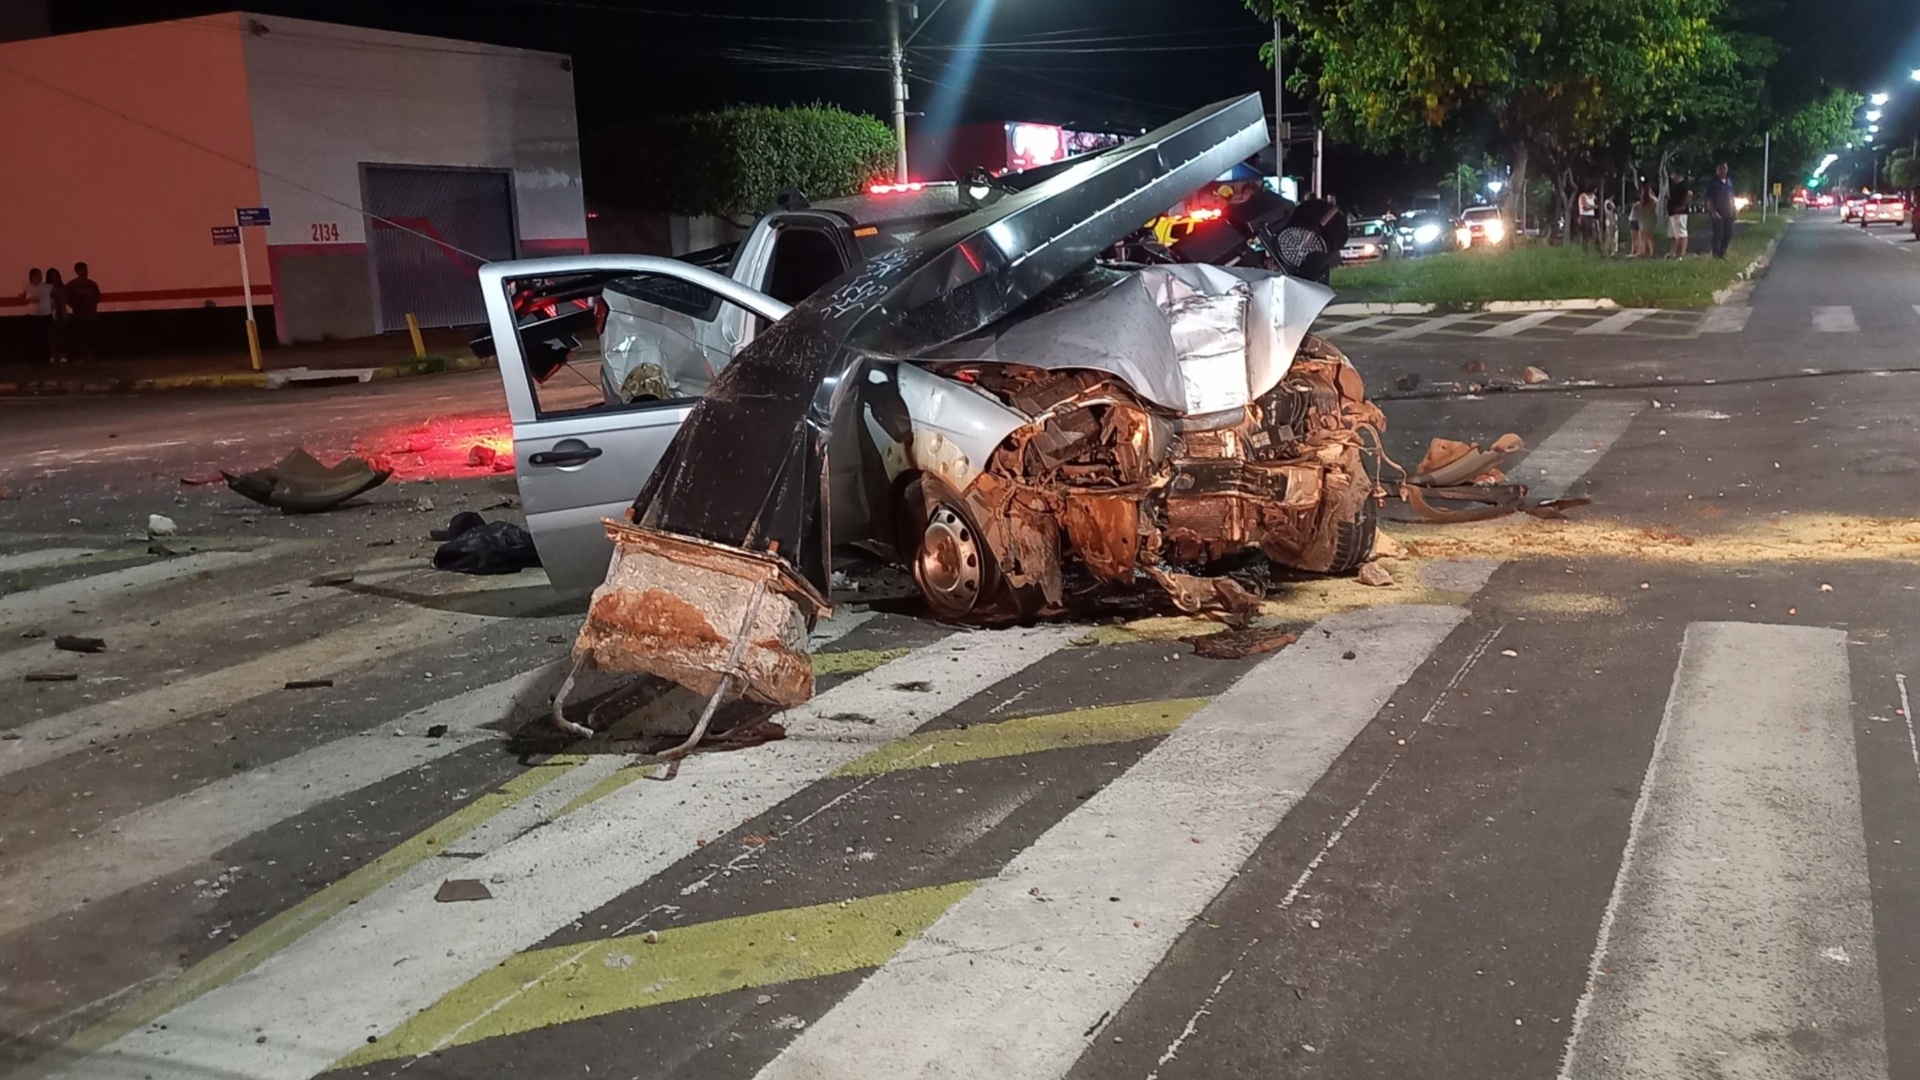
21	608
404	631
1834	319
1009	981
1551	468
1743	879
1906	713
1357	324
173	835
1916	309
1426	326
844	622
1520	325
1616	322
33	560
314	1001
1726	319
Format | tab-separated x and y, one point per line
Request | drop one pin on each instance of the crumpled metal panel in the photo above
1118	322
748	467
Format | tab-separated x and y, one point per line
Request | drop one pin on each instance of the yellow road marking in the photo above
575	982
1026	735
606	786
854	661
270	937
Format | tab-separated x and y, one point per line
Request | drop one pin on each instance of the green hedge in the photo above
732	163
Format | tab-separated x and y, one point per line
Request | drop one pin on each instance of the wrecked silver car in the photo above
987	404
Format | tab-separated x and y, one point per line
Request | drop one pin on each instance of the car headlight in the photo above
1426	234
1496	231
1463	236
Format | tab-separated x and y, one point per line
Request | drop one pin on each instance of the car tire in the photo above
1354	539
952	562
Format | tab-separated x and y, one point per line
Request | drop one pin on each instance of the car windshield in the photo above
1477	213
1371	228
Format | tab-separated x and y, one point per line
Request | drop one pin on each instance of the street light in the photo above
1916	75
1494	186
1881	98
1873	115
1873	129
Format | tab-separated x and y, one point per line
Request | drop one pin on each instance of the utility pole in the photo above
1279	99
1319	148
895	61
1766	176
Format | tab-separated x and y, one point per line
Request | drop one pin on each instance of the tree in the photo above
1818	128
1556	76
733	163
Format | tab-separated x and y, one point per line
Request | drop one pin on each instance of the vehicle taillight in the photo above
894	189
599	316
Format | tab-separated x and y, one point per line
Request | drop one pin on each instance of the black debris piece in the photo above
490	547
299	484
73	643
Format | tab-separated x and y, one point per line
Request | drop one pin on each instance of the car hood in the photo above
748	468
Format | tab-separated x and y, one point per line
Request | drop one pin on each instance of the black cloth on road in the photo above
488	547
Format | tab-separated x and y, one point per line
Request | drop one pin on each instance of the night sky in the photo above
1096	64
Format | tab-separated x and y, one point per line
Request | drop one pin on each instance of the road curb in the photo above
1743	281
1378	309
245	380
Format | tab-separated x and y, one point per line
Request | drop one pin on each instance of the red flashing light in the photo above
1209	213
894	189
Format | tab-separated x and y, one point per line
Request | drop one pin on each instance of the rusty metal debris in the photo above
1235	644
299	484
1462	473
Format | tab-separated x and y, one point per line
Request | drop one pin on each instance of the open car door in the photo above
602	358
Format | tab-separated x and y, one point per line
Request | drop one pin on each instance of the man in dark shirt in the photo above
1679	195
1720	208
83	302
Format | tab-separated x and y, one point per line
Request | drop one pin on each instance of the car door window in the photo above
605	342
804	259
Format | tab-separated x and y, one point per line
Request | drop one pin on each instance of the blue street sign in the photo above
225	234
253	215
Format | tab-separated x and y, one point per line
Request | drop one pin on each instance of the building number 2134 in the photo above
326	232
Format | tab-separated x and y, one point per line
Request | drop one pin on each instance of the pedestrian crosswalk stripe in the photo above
1618	321
32	605
173	835
33	560
57	736
284	929
1726	319
1742	910
1357	324
576	982
1574	446
1013	980
1426	326
1095	726
1512	327
1834	319
544	880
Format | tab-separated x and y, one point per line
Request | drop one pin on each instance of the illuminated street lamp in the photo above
1873	115
1494	186
1881	98
1916	75
1873	129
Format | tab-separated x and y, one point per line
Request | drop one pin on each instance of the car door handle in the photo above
578	456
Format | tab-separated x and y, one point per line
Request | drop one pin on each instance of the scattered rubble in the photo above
1375	575
1534	376
308	684
300	484
52	676
159	525
74	643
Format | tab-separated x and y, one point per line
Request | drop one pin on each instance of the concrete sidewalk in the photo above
386	356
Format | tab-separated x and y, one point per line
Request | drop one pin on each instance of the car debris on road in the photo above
299	484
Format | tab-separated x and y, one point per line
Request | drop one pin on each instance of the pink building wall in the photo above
125	148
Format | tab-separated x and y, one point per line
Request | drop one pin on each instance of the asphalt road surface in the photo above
1631	795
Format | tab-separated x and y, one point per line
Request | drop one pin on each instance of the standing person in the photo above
83	306
1720	208
39	298
1587	216
1679	196
1646	219
1609	228
57	317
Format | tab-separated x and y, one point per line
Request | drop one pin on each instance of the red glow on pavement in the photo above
442	449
